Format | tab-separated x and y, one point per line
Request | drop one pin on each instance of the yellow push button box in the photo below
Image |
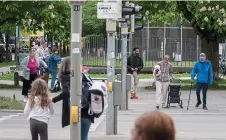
75	114
110	87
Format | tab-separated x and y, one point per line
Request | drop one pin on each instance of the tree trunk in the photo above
8	55
211	49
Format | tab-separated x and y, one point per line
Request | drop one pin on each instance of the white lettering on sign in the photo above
109	10
75	50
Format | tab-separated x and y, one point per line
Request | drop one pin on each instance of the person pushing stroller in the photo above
203	69
163	72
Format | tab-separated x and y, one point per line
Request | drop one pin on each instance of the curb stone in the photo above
11	111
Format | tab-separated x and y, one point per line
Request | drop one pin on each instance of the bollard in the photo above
117	89
125	97
16	78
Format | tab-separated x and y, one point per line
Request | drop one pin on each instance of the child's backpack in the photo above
94	96
98	99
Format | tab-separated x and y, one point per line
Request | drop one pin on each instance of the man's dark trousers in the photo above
204	87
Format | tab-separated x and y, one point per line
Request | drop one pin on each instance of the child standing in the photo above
38	109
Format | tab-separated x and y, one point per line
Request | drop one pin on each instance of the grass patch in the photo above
10	76
186	85
5	86
101	61
8	103
216	82
7	64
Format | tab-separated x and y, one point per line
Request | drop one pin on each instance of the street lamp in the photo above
76	80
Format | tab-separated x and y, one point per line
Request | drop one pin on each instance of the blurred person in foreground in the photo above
203	69
154	126
134	66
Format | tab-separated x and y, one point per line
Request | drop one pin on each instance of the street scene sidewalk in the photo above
192	124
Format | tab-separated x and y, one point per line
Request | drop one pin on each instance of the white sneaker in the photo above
25	100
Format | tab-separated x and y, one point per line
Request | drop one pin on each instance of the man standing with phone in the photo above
134	66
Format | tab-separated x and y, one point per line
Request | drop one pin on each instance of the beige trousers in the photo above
135	82
161	93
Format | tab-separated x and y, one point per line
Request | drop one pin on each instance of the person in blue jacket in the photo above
203	69
54	59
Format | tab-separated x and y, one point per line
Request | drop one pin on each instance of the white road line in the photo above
97	122
3	118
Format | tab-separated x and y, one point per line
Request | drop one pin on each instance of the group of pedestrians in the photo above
33	65
39	107
163	74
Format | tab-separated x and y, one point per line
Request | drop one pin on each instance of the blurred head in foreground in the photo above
154	126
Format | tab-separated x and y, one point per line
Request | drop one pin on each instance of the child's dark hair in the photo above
40	89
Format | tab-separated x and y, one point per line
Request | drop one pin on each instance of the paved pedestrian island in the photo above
192	124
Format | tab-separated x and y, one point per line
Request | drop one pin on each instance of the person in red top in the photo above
30	64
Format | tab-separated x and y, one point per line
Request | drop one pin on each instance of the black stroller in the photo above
174	94
57	86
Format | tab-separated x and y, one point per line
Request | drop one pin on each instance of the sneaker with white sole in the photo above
25	100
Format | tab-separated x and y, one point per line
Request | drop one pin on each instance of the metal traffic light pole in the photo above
76	80
110	117
124	34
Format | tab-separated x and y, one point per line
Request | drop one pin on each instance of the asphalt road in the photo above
192	124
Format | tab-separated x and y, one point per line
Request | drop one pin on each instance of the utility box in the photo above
117	92
129	81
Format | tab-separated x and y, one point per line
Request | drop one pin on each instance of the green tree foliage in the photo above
206	17
51	16
91	24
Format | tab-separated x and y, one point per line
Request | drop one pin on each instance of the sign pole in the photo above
124	32
110	117
76	79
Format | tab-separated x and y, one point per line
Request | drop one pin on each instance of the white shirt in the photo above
40	53
37	112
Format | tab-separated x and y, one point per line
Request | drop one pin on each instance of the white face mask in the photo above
202	59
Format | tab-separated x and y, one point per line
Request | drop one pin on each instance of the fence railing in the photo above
95	51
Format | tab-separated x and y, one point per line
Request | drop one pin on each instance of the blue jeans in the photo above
204	87
53	74
85	125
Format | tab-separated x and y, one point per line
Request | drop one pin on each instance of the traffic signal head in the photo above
130	9
127	10
138	27
138	18
138	9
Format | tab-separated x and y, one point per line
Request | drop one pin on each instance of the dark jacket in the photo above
84	112
134	62
65	96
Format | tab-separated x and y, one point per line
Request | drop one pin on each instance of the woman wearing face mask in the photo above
203	69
